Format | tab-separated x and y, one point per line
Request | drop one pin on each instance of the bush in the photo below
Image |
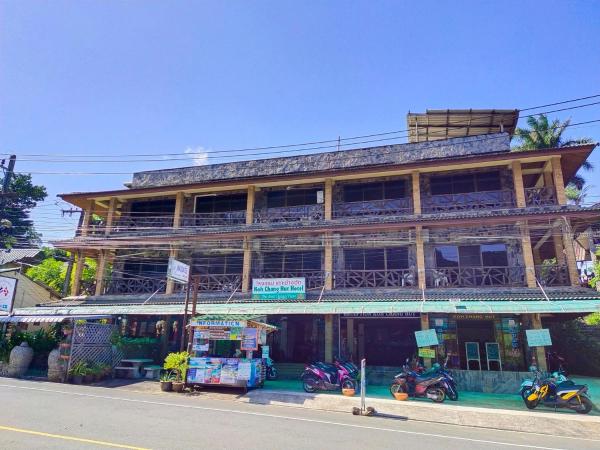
573	341
178	363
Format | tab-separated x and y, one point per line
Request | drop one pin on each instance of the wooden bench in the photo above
152	372
130	371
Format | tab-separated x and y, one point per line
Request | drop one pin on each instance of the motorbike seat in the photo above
573	387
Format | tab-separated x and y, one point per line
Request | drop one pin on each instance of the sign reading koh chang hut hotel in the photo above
278	288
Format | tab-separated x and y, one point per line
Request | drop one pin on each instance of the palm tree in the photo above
545	134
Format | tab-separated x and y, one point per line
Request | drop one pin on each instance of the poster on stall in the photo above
212	372
200	347
249	339
244	370
229	371
265	352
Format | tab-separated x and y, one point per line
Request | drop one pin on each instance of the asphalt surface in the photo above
47	416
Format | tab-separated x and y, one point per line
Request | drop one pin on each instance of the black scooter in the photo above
565	395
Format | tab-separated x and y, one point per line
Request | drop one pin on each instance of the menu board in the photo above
538	337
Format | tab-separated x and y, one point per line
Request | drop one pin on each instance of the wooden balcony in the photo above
140	224
213	219
469	201
286	214
390	207
314	278
475	276
375	278
540	196
222	282
140	285
552	274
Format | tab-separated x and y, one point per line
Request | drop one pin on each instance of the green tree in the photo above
53	270
545	134
16	228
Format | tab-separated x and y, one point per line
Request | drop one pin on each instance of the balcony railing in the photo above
135	286
552	275
127	224
314	278
540	196
387	207
310	213
375	278
468	201
222	282
214	219
475	276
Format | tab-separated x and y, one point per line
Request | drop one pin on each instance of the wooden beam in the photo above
539	352
100	272
88	212
79	263
328	262
112	204
421	273
173	253
528	256
559	183
571	260
518	183
329	337
179	202
246	264
416	193
425	326
547	234
328	194
250	201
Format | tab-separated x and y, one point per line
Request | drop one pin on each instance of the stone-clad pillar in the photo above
570	257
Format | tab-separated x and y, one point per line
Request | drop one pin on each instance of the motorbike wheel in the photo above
271	373
349	384
452	394
398	389
531	404
440	394
310	384
584	408
525	393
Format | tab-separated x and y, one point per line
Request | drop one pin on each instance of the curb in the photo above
559	424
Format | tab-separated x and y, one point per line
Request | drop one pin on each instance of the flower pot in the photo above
166	386
178	386
401	396
348	392
77	379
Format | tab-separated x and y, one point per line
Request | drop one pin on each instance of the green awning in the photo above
101	309
458	307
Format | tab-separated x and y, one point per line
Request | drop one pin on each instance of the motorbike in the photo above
559	377
271	370
430	386
448	382
322	376
551	394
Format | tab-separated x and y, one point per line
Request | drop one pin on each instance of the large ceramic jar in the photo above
20	358
55	366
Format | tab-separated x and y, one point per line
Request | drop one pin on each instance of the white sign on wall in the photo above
178	271
8	289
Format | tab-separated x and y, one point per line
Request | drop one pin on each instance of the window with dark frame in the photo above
219	264
220	203
382	190
484	255
292	197
153	208
395	258
302	261
146	268
465	183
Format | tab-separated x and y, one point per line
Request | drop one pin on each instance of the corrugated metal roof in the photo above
16	254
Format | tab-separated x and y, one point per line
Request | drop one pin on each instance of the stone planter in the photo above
20	358
56	370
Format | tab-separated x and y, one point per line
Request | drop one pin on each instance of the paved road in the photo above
47	416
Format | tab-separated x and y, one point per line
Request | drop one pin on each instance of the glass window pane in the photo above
463	183
273	262
237	202
374	259
354	259
488	181
275	199
469	256
353	193
295	197
205	205
494	255
446	256
441	185
310	197
397	258
311	261
234	263
394	189
373	191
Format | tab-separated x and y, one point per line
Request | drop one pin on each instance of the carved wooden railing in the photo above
222	282
310	213
468	201
87	287
214	219
476	276
135	224
388	207
540	196
314	278
552	274
135	285
375	278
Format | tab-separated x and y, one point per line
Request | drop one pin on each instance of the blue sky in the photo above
148	77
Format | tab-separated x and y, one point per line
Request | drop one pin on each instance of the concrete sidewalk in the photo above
541	420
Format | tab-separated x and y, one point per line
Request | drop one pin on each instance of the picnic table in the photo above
133	367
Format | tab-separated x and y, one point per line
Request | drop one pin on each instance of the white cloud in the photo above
199	155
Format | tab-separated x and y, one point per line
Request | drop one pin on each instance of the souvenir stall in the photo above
223	352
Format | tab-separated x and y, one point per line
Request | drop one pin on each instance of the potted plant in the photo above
166	381
178	363
88	377
77	372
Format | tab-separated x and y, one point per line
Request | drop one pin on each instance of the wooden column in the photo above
425	326
79	263
110	215
527	255
559	183
179	201
350	338
570	258
540	352
329	337
557	240
100	272
173	253
518	183
421	274
328	261
416	192
328	199
247	264
88	212
250	200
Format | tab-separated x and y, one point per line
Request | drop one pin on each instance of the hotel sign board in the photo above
279	288
8	289
178	271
